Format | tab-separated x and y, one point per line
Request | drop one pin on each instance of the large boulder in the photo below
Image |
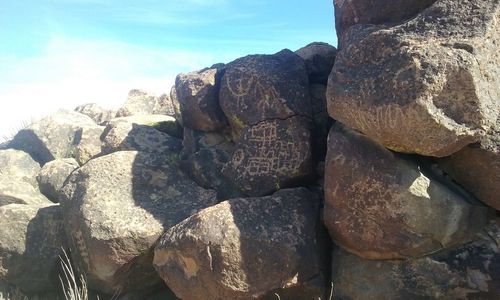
115	208
352	12
429	86
54	136
245	248
31	239
96	112
90	143
471	271
52	176
140	102
129	136
18	165
20	192
477	168
319	58
258	88
379	205
198	95
272	155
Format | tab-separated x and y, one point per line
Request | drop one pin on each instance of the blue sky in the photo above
61	53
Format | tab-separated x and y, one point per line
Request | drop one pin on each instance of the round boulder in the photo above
53	175
18	165
379	205
245	248
319	58
116	207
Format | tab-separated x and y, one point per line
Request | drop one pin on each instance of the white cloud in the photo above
71	72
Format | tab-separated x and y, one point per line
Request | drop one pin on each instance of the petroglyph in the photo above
81	247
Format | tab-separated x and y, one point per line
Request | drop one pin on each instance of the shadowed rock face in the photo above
244	248
471	271
52	176
257	88
477	168
18	165
31	239
319	59
381	206
351	12
198	97
55	136
429	86
271	155
116	207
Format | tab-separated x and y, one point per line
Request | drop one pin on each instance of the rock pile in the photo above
371	172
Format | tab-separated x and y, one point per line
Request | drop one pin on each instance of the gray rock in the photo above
97	113
115	208
18	165
176	106
164	106
245	248
471	271
141	102
20	192
31	242
129	136
55	136
319	58
198	95
380	205
143	119
90	143
429	86
53	175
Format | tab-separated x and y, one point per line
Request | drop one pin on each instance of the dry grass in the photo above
74	287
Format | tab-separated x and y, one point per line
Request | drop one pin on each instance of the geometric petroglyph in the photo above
81	247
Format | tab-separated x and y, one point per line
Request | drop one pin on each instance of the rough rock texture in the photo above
319	58
90	143
116	207
321	119
257	88
54	136
97	113
379	205
142	119
198	96
471	271
164	106
18	165
351	12
272	155
129	136
21	192
141	102
477	168
176	106
31	238
429	86
53	175
244	248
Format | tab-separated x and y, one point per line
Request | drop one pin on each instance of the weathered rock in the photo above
164	106
195	140
198	96
31	240
244	248
149	120
176	106
90	144
20	192
379	205
18	165
116	207
257	88
128	136
321	119
272	155
351	12
477	168
319	58
143	103
54	136
53	175
96	112
471	271
429	86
